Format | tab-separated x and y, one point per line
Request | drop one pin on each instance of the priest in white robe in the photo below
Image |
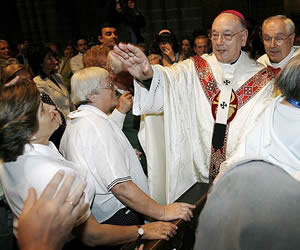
209	103
275	138
278	33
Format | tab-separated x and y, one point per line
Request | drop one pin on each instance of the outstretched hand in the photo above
159	230
135	61
178	210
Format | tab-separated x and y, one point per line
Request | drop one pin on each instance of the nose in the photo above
273	44
220	39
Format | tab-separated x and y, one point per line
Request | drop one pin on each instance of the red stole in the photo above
238	98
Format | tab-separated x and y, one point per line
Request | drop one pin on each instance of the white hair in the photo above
289	24
86	82
114	63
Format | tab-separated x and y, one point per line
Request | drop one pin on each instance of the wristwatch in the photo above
140	232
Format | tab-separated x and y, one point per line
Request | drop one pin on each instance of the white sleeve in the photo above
118	117
150	101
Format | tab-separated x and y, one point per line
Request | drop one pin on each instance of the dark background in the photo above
60	21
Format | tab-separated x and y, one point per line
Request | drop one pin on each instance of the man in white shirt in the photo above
278	33
274	139
209	103
94	141
76	61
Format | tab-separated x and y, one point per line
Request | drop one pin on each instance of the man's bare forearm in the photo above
132	196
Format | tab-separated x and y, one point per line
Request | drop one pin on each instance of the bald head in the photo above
278	37
228	36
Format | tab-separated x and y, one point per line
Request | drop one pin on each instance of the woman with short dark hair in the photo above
52	86
18	121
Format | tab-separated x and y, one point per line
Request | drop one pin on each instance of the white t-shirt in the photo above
96	143
35	168
76	63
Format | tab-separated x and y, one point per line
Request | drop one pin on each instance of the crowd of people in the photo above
95	144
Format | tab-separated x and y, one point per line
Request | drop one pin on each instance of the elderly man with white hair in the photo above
278	34
97	143
274	139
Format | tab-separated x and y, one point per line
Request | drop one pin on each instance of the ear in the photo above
91	98
292	39
100	39
244	37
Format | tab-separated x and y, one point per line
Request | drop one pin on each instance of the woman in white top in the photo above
30	160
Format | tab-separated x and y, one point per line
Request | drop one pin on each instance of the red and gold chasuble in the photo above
238	98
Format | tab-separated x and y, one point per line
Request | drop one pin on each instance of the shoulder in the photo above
86	121
297	50
35	171
75	58
38	79
40	83
263	59
40	165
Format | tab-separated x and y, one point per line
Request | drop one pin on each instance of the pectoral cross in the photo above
226	82
223	105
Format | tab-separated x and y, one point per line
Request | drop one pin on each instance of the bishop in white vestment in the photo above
222	94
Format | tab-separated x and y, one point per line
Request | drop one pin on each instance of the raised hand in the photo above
167	50
135	61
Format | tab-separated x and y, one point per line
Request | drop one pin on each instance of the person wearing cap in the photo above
278	34
209	103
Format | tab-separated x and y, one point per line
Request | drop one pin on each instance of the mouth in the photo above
220	50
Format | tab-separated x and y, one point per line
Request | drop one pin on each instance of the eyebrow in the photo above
281	33
223	31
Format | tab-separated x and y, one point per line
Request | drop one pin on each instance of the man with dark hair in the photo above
76	61
108	35
209	103
201	45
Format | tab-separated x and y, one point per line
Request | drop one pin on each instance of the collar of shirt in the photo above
40	149
285	60
85	109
